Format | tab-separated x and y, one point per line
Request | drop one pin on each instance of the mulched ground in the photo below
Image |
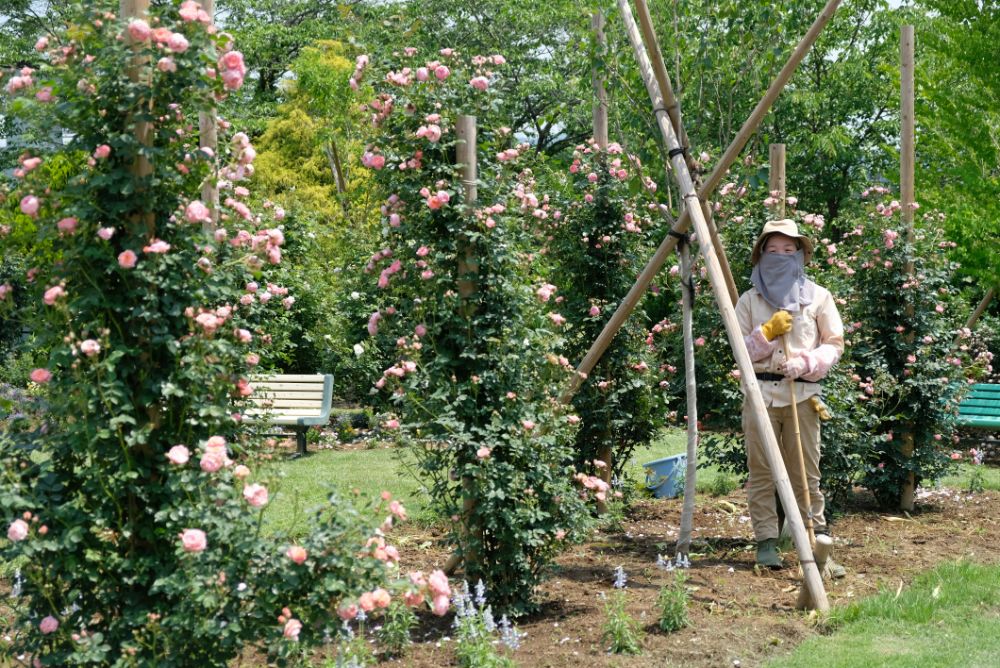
740	616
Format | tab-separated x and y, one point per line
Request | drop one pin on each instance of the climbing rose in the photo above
297	554
193	540
102	152
41	376
17	531
139	30
29	205
292	629
256	495
178	455
48	625
479	83
197	212
90	347
127	259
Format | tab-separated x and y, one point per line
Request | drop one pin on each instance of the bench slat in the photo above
981	407
292	387
279	404
291	377
298	412
286	394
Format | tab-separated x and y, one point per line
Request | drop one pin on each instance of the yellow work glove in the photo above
820	408
780	323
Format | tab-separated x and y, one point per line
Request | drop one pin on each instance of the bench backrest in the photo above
981	407
293	394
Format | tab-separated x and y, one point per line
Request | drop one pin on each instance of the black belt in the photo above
777	377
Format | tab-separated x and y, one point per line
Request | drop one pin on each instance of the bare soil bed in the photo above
740	616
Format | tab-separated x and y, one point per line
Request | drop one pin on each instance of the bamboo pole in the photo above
906	162
814	581
776	177
669	242
974	318
690	476
605	452
468	267
208	127
673	109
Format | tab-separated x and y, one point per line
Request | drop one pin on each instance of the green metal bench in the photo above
981	408
292	400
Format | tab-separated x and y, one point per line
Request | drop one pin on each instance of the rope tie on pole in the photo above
680	150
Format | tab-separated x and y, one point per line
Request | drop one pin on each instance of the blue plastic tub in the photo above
663	475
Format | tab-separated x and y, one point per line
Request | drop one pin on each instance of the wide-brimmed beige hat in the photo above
787	227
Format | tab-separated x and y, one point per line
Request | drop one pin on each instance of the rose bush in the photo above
477	370
133	500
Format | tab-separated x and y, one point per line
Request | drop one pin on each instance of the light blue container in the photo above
663	475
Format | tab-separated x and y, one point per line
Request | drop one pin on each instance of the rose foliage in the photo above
133	504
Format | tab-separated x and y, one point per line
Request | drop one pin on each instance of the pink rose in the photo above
347	612
438	583
196	212
233	60
17	531
189	11
127	259
381	598
256	496
139	30
67	225
211	462
178	455
391	424
528	425
232	80
479	83
30	205
193	540
700	341
440	605
158	246
483	453
102	152
177	43
166	65
48	625
366	602
422	74
594	311
40	376
106	233
292	629
241	472
373	323
53	294
42	44
297	553
90	347
442	72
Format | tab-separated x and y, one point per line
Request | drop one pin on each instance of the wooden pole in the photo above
758	410
673	108
776	178
906	161
600	94
690	476
605	451
134	9
208	127
974	318
669	242
468	268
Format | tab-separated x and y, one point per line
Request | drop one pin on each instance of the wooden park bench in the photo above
981	409
293	401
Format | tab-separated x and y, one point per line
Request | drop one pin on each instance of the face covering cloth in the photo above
781	280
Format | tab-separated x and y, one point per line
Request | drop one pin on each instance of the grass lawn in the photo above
949	617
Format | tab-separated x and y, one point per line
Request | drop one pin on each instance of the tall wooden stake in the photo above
673	108
208	127
974	318
691	388
669	242
906	161
776	178
605	452
468	268
758	410
130	9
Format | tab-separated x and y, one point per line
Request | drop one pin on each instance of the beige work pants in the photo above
760	485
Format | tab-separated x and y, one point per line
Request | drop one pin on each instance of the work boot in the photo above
767	553
833	570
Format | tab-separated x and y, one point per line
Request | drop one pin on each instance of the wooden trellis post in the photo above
209	138
142	168
605	451
758	410
906	160
776	177
691	389
682	225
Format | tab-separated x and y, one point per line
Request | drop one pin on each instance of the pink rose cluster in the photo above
209	320
435	587
21	81
191	11
593	484
360	63
216	455
233	69
397	370
373	160
435	200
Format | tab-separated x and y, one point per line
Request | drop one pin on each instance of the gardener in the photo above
794	335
